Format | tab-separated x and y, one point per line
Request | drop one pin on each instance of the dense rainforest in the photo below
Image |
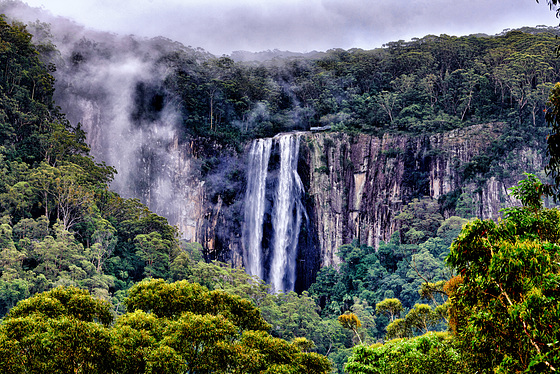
76	256
427	85
417	88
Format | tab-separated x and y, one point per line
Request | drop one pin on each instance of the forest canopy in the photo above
66	330
60	223
426	85
89	278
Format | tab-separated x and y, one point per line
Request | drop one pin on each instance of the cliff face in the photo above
151	162
355	185
359	184
121	91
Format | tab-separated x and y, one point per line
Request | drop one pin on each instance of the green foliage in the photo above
60	331
64	301
350	321
429	353
170	300
504	310
397	274
66	330
419	220
529	191
391	307
399	329
427	85
420	319
393	279
553	139
61	225
292	317
154	251
203	331
105	244
54	345
25	94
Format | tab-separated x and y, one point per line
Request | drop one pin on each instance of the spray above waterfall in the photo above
274	211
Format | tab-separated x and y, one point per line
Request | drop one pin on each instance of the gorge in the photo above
356	186
350	204
284	205
223	149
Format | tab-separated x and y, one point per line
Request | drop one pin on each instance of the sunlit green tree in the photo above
505	309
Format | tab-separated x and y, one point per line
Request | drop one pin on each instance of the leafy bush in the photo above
430	353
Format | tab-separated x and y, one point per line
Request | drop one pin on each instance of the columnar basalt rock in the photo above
354	187
360	183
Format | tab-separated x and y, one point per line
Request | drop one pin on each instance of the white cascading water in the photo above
286	215
257	171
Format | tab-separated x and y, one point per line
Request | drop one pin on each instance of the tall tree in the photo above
505	310
61	331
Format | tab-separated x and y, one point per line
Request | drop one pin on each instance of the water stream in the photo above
259	156
273	211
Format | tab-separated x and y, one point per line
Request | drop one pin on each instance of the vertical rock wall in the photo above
359	184
355	185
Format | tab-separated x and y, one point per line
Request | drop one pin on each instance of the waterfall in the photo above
271	253
286	216
259	156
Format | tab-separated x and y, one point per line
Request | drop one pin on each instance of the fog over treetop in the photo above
298	25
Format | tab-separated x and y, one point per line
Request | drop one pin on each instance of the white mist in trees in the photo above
113	87
105	106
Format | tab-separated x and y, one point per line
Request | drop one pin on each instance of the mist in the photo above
299	25
113	83
112	86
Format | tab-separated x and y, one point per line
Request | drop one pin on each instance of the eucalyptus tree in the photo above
504	309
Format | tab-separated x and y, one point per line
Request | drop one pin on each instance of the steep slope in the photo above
359	184
177	124
355	186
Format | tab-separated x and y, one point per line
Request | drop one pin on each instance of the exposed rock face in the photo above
152	163
355	185
359	184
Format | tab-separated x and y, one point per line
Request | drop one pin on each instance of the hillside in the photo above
179	125
452	119
341	175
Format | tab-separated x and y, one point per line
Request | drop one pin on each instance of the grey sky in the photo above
223	26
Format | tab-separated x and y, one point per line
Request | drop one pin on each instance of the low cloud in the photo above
299	25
